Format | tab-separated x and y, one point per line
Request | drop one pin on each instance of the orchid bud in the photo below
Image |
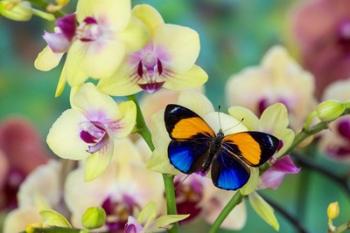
94	217
16	10
333	210
330	110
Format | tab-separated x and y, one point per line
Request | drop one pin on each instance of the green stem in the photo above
54	230
143	130
43	5
235	200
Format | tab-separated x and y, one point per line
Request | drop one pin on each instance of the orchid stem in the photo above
143	130
235	200
54	230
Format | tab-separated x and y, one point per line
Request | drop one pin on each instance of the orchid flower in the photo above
39	191
194	194
324	50
121	190
21	151
167	59
90	128
279	79
95	39
148	222
335	142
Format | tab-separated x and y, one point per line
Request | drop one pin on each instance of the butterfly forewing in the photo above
183	124
191	137
254	148
228	172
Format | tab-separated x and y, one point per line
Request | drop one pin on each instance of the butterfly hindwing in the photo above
183	124
188	156
228	172
254	148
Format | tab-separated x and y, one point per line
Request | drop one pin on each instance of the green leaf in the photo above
94	217
53	218
166	220
264	210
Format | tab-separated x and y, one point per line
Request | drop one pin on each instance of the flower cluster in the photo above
115	173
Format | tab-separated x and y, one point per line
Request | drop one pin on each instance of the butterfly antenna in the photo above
240	122
219	117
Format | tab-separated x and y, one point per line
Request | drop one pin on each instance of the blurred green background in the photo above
234	34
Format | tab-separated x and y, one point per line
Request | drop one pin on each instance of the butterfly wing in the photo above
188	156
228	172
191	137
254	148
184	124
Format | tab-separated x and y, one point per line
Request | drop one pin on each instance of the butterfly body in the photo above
195	147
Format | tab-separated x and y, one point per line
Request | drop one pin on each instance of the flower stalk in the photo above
143	130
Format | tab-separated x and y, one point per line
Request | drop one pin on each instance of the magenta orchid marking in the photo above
150	68
189	194
265	102
96	132
118	211
60	40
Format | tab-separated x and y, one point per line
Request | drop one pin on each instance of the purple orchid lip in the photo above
343	128
95	134
151	87
189	194
68	26
118	212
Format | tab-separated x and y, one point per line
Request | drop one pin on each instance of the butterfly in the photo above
195	147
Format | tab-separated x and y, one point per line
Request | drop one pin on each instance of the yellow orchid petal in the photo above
166	220
252	183
135	36
127	119
264	210
120	83
249	119
53	218
287	136
42	187
149	16
88	98
182	44
64	139
148	213
61	83
159	162
97	163
116	13
47	60
195	77
18	219
97	60
275	117
73	70
195	101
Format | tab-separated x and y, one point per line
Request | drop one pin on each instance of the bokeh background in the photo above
234	34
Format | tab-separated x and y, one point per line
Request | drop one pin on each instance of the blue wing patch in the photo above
187	156
227	172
